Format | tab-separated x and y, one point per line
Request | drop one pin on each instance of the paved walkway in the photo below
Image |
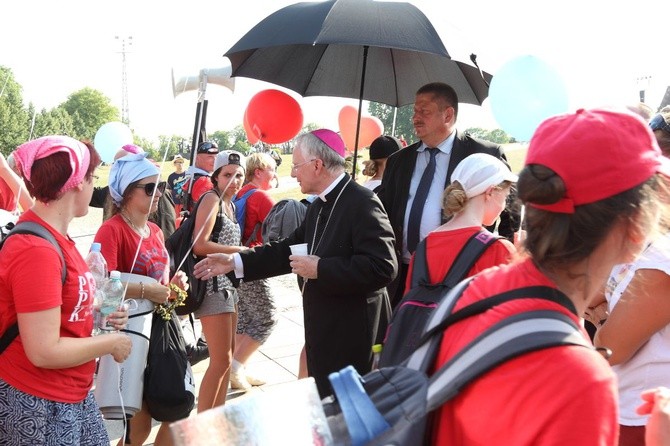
276	361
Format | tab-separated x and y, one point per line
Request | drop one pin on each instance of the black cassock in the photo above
351	234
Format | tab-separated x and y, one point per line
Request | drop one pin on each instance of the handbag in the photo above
169	386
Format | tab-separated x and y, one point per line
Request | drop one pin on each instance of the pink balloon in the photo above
274	116
371	128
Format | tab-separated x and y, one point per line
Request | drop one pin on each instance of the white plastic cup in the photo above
299	249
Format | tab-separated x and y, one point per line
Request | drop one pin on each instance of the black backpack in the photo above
169	386
180	248
36	229
394	405
412	312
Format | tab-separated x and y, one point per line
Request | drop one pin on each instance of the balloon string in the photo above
165	150
199	233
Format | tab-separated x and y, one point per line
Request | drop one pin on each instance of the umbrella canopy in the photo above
330	48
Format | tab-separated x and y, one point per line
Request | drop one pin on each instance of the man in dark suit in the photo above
434	119
351	260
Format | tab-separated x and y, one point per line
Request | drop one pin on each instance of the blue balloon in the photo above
110	138
525	92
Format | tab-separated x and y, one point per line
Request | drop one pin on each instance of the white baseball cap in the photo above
479	171
226	157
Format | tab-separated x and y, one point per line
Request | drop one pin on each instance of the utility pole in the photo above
643	83
126	42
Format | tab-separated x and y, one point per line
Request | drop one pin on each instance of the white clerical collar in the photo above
323	194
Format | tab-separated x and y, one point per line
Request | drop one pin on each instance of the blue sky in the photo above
601	50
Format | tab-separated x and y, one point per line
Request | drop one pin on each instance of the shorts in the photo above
30	420
256	312
219	302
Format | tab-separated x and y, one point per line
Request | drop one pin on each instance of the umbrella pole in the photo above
360	109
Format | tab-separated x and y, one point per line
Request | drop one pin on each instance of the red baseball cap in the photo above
597	153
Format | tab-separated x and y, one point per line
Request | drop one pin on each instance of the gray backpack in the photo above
393	405
284	218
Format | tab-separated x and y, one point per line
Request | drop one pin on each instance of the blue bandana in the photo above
126	170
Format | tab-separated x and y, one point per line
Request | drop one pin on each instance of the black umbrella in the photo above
373	50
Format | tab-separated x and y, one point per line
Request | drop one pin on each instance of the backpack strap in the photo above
243	198
187	198
36	229
468	256
514	336
420	266
423	357
473	249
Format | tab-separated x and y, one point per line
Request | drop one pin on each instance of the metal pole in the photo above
360	109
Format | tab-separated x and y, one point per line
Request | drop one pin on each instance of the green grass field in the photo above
516	154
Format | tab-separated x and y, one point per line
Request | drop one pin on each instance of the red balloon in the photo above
274	116
252	133
371	128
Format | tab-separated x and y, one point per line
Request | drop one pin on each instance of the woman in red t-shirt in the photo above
46	373
592	186
476	196
131	243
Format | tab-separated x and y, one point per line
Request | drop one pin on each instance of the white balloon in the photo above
110	137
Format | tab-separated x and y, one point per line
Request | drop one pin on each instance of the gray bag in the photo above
392	405
284	218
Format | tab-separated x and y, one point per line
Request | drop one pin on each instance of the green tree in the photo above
56	121
497	136
222	139
286	148
171	144
237	137
89	109
477	132
14	119
403	121
153	152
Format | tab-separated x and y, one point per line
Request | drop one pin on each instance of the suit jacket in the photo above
357	260
394	190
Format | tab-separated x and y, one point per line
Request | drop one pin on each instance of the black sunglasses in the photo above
659	123
149	188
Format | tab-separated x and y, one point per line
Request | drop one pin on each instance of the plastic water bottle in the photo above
98	268
111	299
97	265
376	354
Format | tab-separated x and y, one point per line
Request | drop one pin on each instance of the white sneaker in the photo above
239	381
254	381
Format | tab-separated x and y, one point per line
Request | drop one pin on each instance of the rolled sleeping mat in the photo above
126	380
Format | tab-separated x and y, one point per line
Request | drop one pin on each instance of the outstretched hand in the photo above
214	265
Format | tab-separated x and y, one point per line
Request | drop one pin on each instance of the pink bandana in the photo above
27	153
